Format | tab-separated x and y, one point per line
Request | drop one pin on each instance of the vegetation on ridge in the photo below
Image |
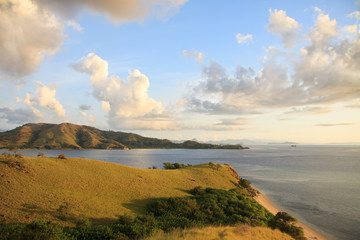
92	195
72	136
209	207
61	190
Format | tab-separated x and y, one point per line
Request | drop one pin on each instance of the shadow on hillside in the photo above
33	209
139	206
184	190
102	221
62	214
235	184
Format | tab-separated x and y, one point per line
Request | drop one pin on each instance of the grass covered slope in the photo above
241	232
63	190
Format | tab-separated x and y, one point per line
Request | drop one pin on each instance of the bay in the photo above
319	185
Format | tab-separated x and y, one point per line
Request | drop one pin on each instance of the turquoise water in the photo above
319	185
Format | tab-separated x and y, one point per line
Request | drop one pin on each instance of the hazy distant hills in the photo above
72	136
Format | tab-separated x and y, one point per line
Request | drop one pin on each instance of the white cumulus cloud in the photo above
45	97
28	34
284	26
126	101
243	38
198	56
83	114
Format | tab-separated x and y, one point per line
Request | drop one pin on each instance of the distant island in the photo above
72	136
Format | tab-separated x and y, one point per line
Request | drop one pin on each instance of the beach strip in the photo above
308	232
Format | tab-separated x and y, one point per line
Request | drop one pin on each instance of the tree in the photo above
244	183
41	154
13	149
168	165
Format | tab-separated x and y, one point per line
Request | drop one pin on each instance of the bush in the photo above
33	230
209	207
286	223
197	190
62	156
244	183
83	223
169	165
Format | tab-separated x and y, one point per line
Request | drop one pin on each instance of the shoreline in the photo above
309	233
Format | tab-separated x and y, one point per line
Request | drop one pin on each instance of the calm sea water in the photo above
319	185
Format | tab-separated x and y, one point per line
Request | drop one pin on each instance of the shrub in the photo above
244	183
83	223
13	149
286	223
197	190
169	165
62	156
18	155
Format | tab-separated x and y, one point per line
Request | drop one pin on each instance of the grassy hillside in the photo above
62	190
72	136
72	191
241	232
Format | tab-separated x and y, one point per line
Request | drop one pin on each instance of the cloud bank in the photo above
21	115
325	71
126	101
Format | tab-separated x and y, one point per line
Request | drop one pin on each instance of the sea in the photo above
317	184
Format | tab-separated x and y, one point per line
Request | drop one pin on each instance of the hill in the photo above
241	232
72	136
65	191
55	189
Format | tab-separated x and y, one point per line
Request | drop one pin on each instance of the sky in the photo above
263	71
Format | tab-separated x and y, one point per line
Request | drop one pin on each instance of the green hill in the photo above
116	199
241	232
72	136
55	189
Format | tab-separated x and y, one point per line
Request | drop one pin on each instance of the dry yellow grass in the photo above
62	190
241	232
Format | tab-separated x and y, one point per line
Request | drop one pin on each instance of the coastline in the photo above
309	233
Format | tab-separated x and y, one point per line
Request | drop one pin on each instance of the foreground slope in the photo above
72	136
241	232
62	190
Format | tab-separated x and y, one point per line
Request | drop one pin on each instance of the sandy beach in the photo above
309	233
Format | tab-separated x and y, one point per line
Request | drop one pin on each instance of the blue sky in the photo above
211	70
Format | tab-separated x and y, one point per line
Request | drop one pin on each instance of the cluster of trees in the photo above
205	207
169	165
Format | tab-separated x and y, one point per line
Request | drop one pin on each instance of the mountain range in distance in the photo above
72	136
